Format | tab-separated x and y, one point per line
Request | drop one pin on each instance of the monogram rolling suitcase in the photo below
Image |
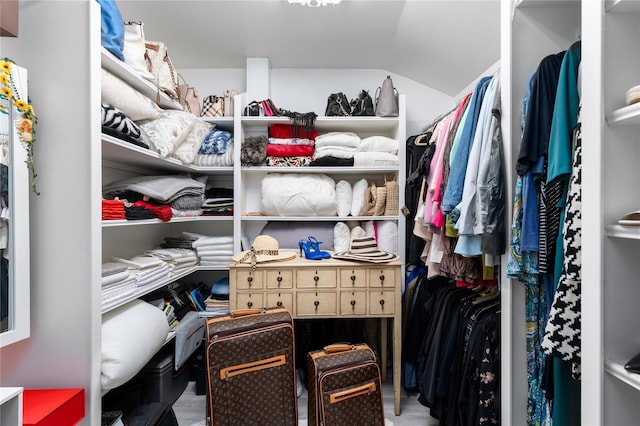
343	382
251	371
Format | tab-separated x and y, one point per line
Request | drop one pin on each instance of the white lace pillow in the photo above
343	196
357	196
341	237
167	132
132	103
189	148
379	144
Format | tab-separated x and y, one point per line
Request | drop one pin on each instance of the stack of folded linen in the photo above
212	250
376	151
290	146
336	149
178	259
117	281
146	268
162	196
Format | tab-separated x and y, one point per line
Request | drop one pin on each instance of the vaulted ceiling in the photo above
441	44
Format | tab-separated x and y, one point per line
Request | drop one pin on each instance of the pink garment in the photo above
435	169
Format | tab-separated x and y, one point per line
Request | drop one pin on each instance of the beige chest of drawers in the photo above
324	289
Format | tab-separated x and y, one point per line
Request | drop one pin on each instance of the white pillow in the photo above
387	235
341	237
167	132
298	194
379	144
343	196
357	196
131	335
132	103
189	148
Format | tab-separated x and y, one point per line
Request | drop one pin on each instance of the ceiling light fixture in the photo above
315	3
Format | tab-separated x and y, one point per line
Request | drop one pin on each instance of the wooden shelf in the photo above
331	170
118	223
622	6
222	123
333	124
317	218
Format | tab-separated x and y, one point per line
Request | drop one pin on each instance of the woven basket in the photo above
370	197
381	201
393	201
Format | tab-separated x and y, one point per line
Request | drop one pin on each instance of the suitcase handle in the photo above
338	347
245	312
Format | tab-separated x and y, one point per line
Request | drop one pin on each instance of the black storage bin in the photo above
160	382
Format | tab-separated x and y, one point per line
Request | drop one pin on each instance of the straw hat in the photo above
265	248
365	249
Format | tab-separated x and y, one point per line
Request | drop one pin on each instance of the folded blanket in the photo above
335	152
291	141
289	150
205	240
338	139
162	188
215	160
331	161
288	131
289	161
379	144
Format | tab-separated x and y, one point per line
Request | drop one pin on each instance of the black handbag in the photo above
337	106
362	105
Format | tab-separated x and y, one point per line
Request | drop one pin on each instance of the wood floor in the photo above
190	408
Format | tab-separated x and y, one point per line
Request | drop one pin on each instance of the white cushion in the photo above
379	144
131	335
168	131
387	235
357	196
298	194
189	148
132	103
343	197
341	237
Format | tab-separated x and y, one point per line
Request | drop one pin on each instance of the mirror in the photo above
14	214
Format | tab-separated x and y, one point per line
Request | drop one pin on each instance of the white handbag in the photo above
162	68
135	52
228	102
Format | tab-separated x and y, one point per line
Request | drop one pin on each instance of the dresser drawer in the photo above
381	302
316	278
280	300
280	279
249	300
315	304
353	278
382	277
246	279
353	303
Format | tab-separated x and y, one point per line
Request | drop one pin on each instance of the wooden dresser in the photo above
327	288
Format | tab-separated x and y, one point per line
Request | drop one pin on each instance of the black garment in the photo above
535	140
329	161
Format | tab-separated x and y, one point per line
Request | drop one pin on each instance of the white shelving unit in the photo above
11	405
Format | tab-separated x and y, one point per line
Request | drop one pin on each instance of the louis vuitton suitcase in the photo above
251	368
343	382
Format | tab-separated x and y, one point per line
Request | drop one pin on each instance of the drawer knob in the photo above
279	304
249	279
382	278
316	279
249	304
353	304
353	278
279	279
316	303
382	303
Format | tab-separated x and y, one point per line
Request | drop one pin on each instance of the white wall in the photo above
305	90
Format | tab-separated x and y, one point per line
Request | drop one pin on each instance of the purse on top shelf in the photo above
162	68
337	105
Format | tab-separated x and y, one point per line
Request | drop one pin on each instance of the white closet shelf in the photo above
622	6
128	75
626	116
619	231
121	152
124	222
112	304
311	169
333	124
223	123
617	370
544	3
317	218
